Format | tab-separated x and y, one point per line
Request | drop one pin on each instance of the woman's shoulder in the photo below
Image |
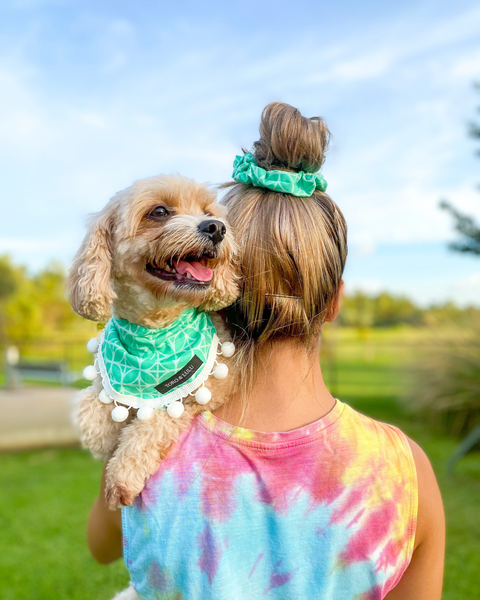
369	428
424	576
392	440
430	519
373	432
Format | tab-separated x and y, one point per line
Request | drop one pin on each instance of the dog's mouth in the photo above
189	270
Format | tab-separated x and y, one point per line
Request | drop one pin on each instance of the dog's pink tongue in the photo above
196	270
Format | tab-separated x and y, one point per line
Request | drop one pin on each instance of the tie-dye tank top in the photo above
327	511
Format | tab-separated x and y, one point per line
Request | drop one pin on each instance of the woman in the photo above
284	492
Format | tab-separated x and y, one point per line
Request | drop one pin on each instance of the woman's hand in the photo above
104	533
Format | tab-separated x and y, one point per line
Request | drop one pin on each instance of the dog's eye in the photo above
207	213
159	212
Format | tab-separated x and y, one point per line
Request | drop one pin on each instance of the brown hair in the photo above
292	250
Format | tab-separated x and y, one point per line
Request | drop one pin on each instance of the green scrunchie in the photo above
300	184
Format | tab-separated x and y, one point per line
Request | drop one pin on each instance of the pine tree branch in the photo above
467	228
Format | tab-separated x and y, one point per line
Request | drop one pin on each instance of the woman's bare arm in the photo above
104	529
424	576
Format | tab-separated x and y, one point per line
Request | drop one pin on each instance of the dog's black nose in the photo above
213	229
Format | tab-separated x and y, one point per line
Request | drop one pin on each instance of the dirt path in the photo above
33	417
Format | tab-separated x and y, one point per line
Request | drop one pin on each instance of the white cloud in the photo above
397	95
362	246
470	283
35	252
410	214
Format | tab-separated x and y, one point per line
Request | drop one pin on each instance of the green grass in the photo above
45	496
373	386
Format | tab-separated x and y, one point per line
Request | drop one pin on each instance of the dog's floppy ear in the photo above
89	288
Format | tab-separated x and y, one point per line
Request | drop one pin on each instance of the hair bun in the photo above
290	141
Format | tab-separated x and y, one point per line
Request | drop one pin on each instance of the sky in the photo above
95	94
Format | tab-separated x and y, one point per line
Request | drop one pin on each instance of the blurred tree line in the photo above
35	306
384	310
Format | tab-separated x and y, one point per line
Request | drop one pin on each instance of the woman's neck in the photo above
288	391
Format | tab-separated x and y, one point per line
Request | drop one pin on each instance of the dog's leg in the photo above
98	431
143	444
141	447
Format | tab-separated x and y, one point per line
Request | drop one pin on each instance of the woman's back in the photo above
325	511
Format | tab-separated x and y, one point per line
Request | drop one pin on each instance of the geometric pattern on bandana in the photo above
299	184
133	359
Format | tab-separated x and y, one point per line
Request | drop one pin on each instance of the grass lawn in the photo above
45	495
371	377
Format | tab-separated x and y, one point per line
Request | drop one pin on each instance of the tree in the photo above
34	307
464	224
8	282
8	286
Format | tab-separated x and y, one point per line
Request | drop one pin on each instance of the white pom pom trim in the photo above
220	371
175	409
92	345
228	349
90	373
203	395
144	413
105	398
119	414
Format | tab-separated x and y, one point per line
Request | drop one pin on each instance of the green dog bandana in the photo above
154	367
300	184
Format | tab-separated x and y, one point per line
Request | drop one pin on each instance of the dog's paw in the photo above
117	495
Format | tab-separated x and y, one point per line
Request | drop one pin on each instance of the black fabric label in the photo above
181	377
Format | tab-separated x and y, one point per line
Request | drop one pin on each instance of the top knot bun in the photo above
290	141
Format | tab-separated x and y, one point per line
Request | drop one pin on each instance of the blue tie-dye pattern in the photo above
175	550
234	570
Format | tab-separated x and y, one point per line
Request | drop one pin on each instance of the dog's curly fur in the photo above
112	272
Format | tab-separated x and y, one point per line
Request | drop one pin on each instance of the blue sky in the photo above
96	94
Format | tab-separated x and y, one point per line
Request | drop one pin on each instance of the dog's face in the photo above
161	242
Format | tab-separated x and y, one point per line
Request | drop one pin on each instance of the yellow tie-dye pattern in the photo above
367	468
342	489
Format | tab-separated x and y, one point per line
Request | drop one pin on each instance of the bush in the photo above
445	381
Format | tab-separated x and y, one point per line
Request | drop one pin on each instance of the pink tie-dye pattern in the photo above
255	564
374	531
183	474
211	553
348	467
356	518
390	556
226	463
377	592
354	502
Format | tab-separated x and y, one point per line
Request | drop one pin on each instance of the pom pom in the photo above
228	349
119	413
175	409
92	345
203	395
144	413
105	398
90	373
220	371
